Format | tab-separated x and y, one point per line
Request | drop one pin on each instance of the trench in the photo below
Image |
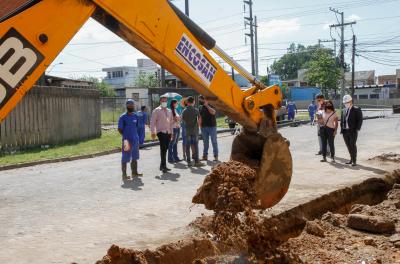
288	224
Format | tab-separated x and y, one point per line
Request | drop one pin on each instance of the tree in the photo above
105	89
264	80
323	71
295	59
147	80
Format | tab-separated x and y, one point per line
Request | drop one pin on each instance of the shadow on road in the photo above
135	184
342	165
168	177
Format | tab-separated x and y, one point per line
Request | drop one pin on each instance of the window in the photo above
135	96
363	96
108	75
117	74
374	96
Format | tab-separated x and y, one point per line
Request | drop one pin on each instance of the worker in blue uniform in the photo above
291	109
142	122
128	128
312	110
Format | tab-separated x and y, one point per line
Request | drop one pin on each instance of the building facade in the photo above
122	77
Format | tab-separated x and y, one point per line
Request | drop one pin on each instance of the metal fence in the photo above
51	116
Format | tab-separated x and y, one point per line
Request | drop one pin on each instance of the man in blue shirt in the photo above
291	109
312	110
142	122
128	128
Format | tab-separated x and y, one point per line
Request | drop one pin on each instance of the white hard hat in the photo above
347	98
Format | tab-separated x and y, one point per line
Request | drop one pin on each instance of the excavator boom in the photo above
32	37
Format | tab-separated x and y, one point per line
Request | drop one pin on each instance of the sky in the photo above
279	24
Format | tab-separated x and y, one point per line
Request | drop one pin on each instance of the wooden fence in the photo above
50	116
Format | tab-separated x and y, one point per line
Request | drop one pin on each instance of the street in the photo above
73	211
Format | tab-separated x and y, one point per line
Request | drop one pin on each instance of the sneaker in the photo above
354	164
189	164
323	160
333	160
125	177
137	174
319	153
349	162
204	158
216	158
199	164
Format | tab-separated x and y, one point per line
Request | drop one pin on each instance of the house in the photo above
387	80
49	80
127	76
361	78
300	81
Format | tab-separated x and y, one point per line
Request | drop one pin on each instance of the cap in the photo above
347	98
130	102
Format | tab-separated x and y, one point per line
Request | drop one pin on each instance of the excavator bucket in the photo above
274	170
267	152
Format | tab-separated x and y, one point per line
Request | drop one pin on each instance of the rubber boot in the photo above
124	175
134	169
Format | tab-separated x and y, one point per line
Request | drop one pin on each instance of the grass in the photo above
109	140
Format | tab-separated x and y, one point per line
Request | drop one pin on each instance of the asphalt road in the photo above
73	211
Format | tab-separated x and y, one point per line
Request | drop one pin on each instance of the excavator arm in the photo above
32	36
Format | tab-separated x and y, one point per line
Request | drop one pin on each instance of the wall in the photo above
51	115
303	93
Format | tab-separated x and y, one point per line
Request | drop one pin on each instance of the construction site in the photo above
287	184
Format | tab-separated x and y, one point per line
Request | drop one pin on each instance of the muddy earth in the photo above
237	233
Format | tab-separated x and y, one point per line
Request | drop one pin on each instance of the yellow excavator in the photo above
32	35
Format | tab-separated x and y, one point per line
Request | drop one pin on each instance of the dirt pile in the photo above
392	157
352	238
229	187
180	252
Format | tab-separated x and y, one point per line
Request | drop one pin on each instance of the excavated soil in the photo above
236	228
369	234
392	157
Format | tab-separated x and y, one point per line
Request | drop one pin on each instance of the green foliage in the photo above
295	59
147	81
323	71
264	79
105	89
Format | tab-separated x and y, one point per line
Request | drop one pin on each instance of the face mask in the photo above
347	105
164	104
130	110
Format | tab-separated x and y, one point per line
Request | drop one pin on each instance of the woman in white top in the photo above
176	124
329	126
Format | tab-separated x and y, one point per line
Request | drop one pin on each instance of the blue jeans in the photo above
209	132
173	146
193	140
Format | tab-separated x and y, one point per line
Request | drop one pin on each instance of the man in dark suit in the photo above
350	123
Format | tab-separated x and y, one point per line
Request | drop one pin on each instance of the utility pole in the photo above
342	62
256	44
187	7
249	21
353	58
324	41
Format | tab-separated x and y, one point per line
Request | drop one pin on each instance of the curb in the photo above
145	145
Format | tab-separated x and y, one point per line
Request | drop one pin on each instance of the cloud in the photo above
354	17
278	27
92	31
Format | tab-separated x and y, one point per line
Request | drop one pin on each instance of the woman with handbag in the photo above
330	123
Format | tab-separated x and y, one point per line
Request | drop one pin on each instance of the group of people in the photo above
167	123
328	123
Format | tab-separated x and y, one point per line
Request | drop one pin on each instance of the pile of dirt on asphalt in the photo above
392	157
369	234
228	190
185	251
